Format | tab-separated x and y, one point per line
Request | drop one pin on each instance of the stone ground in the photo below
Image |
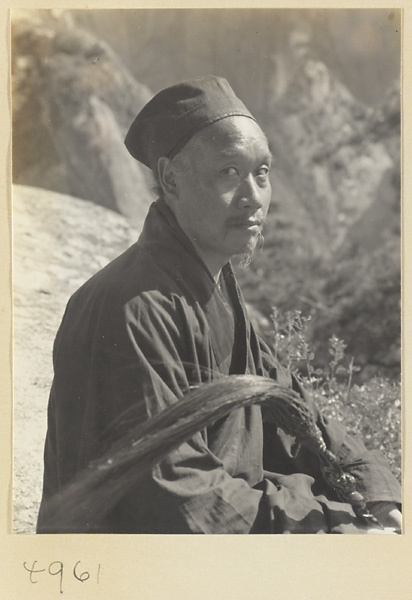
58	242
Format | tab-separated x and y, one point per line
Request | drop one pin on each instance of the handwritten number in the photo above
83	576
56	568
33	570
58	572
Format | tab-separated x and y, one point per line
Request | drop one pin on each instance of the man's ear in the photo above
167	177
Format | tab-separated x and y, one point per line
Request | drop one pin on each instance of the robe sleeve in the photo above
189	491
371	470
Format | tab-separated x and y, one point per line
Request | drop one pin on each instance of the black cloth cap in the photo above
176	113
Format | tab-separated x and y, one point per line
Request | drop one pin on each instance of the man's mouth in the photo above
251	224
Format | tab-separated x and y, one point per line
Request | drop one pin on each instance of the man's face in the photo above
224	198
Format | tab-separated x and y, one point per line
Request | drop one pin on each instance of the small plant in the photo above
289	343
371	410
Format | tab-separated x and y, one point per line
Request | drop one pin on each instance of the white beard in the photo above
245	259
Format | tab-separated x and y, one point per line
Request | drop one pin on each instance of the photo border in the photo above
185	567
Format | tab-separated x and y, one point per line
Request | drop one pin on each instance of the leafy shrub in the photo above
371	410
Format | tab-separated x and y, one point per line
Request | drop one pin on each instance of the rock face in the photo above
254	48
338	154
59	242
73	101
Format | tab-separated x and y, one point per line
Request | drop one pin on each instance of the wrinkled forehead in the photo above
233	129
226	135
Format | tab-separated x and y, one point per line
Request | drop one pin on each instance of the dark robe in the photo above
132	341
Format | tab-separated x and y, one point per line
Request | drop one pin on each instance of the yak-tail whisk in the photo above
85	501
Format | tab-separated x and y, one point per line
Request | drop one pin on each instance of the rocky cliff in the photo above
73	101
336	151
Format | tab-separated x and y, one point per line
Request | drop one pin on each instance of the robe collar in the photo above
164	239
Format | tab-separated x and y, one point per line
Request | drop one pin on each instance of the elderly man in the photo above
168	314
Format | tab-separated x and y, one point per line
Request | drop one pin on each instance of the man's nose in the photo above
251	195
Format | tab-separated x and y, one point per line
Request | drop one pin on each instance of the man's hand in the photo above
388	514
364	528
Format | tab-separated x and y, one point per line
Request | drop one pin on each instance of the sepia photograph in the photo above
206	209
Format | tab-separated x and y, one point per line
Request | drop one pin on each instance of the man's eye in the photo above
263	172
230	171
